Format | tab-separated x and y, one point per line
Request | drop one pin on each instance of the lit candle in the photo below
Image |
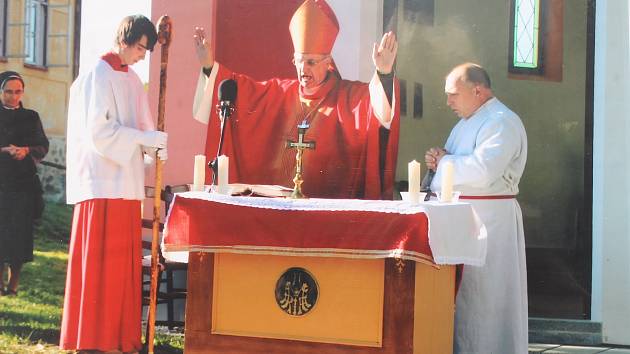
199	176
414	181
222	177
448	171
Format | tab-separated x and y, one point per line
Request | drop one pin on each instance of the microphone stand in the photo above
425	186
224	109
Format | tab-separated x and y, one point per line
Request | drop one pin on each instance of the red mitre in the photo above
314	28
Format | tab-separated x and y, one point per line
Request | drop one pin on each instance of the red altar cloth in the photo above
313	227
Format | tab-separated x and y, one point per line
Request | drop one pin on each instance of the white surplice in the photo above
108	111
489	151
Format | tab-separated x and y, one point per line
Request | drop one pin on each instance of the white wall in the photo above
611	172
361	24
98	30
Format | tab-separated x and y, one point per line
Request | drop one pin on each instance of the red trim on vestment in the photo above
482	197
487	197
115	62
103	299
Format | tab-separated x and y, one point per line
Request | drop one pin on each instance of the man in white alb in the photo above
488	148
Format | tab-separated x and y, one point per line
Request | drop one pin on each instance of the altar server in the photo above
488	148
110	134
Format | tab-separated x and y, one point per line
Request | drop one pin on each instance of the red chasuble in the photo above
354	157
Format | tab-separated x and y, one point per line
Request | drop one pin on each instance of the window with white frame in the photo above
36	18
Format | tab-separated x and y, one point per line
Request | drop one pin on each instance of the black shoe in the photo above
9	292
3	291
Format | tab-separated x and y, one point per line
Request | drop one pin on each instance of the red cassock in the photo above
354	157
103	296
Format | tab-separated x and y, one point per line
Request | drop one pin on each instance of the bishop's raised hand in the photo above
204	50
384	54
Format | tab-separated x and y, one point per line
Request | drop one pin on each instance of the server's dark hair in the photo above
132	28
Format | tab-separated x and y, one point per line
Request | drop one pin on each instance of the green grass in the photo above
29	323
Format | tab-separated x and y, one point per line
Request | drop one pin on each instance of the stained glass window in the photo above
526	34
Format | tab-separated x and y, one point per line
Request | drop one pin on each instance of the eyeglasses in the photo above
307	62
13	92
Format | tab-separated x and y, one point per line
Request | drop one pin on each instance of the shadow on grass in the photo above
162	348
12	317
55	223
43	280
50	335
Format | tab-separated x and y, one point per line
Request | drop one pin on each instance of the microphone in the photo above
225	108
227	98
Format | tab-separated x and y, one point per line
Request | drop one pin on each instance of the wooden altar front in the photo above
378	289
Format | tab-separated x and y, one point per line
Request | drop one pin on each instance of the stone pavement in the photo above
574	349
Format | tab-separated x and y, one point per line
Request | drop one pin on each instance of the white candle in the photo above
448	171
199	176
413	170
222	178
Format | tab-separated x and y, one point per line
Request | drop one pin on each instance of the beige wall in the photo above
552	112
47	88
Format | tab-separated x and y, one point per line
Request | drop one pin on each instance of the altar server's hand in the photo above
153	138
205	55
162	154
150	154
384	54
433	156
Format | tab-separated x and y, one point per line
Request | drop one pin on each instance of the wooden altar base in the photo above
412	312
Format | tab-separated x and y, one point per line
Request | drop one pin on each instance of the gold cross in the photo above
300	145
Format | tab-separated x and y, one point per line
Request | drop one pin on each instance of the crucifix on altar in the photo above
300	145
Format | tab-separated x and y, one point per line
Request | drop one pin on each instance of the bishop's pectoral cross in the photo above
300	145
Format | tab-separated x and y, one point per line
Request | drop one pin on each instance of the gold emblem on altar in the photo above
296	292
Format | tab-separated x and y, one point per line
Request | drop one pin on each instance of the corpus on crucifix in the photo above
299	145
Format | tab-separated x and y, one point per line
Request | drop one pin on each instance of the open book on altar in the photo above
261	190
